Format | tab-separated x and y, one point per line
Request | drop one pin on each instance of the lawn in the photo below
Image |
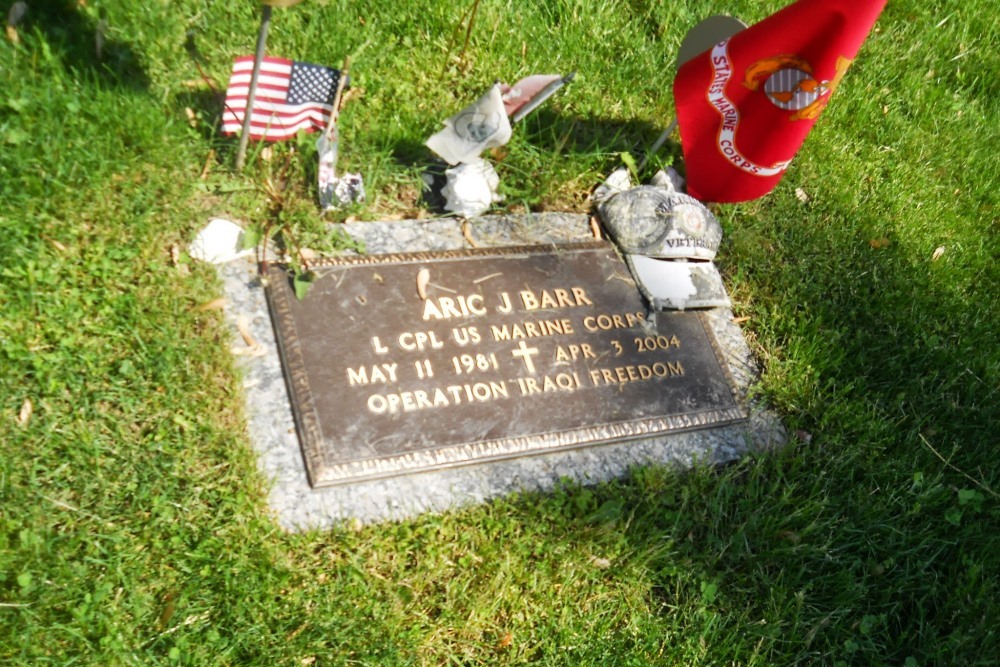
134	527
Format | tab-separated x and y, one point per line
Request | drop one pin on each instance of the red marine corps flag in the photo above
746	105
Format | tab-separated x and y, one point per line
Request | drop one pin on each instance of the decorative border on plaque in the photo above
493	450
307	421
464	253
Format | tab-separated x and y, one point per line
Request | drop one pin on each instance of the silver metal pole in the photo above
656	146
241	152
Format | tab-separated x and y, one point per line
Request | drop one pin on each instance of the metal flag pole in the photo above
657	145
265	23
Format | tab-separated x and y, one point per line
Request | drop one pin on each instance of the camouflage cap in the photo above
668	239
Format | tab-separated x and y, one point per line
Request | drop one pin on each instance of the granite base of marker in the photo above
297	506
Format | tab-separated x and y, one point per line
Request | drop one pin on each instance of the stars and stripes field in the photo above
290	96
134	527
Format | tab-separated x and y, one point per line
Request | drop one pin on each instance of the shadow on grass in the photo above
553	131
82	44
864	546
536	157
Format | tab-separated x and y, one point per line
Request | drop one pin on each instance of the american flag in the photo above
291	96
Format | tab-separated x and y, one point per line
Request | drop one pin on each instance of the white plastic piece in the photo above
219	242
471	188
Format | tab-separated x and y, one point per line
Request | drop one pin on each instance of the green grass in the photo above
133	523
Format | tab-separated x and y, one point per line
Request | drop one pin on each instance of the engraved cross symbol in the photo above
525	353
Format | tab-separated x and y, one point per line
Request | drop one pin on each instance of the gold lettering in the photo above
377	345
419	340
431	310
574	352
355	377
502	333
475	304
608	322
639	373
505	305
581	297
362	376
440	400
557	298
448	307
532	329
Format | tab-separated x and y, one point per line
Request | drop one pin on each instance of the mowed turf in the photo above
134	527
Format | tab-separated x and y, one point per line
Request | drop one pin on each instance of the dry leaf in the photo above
219	304
58	246
351	94
423	277
741	319
879	243
208	164
265	154
600	563
801	195
308	660
506	640
243	324
595	228
175	254
25	414
937	253
468	234
499	153
191	116
12	35
169	608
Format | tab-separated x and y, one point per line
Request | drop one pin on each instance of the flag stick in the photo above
658	145
544	94
341	82
265	22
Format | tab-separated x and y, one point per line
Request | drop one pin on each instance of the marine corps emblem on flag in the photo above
790	84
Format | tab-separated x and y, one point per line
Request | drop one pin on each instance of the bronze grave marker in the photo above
409	362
